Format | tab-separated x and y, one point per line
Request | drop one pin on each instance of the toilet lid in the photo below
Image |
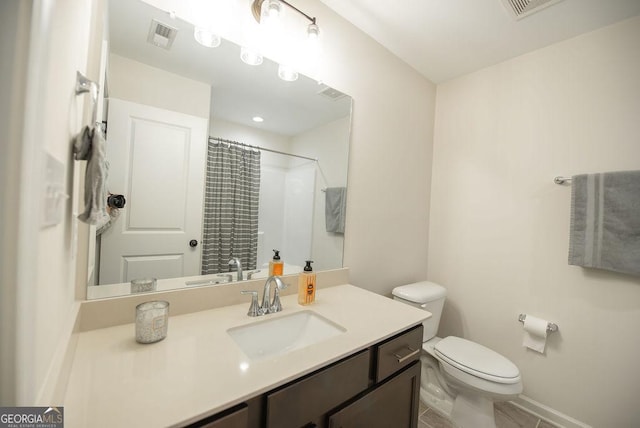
477	360
420	292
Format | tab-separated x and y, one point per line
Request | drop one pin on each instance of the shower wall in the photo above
286	213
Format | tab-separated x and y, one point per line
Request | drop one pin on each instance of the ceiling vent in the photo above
161	35
332	94
522	8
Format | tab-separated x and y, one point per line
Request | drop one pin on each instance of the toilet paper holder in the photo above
551	327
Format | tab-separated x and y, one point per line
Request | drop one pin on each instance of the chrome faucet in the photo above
267	307
236	261
275	305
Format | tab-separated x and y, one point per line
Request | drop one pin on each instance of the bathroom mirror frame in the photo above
304	120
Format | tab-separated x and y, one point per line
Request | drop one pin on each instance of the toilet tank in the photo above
427	296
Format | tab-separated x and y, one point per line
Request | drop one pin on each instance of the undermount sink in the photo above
280	335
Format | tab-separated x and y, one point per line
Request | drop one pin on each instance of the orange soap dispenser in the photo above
307	285
276	266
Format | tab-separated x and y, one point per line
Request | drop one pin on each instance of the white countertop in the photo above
199	370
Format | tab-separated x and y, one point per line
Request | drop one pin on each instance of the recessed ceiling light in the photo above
257	119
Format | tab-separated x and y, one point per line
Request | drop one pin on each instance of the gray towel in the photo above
605	221
335	208
89	145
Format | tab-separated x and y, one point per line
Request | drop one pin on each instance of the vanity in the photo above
364	372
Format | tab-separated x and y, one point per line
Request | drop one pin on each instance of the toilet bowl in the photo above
460	379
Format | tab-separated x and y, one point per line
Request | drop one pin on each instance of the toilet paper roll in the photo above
535	333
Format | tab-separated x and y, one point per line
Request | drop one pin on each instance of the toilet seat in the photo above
476	360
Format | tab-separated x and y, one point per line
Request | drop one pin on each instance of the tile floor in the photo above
507	416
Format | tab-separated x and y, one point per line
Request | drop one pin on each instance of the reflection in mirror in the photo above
181	121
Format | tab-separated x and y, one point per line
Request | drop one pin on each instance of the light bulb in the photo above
250	57
313	32
270	12
274	8
287	73
313	44
206	37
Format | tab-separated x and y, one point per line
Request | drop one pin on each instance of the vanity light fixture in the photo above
206	37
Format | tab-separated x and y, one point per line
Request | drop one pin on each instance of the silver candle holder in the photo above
152	321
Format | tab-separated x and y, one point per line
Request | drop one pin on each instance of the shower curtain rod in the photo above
262	148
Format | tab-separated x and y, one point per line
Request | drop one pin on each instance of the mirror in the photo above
303	141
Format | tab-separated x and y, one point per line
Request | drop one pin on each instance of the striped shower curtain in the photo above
232	191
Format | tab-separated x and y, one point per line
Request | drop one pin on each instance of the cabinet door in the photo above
237	417
305	402
392	404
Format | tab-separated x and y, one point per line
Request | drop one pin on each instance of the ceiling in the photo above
444	39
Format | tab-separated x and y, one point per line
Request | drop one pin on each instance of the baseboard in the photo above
547	413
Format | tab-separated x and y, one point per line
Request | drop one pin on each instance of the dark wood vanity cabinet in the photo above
378	387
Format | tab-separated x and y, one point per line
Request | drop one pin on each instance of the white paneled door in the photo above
157	161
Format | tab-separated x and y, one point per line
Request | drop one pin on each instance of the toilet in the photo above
460	379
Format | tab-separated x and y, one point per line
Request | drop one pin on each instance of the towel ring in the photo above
83	85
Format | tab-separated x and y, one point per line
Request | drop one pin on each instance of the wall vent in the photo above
522	8
331	93
161	35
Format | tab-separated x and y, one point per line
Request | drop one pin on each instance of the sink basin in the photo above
280	335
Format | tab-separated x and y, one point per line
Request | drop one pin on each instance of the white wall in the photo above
43	274
254	137
499	225
390	155
134	81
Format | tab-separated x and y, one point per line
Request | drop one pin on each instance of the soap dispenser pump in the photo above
276	266
307	285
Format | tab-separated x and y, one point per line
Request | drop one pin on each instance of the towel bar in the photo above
562	180
551	327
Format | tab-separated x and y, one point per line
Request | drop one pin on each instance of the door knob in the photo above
193	243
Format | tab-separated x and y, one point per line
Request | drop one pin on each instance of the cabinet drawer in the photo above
304	401
398	352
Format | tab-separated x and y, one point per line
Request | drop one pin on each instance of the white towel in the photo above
605	221
89	145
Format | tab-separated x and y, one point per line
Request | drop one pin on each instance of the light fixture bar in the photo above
312	19
256	7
